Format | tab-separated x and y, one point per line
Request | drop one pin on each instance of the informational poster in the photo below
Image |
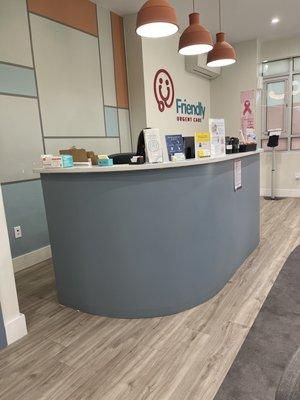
217	137
248	103
153	146
202	144
237	174
175	145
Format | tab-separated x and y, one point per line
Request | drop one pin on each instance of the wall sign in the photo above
163	89
164	92
248	111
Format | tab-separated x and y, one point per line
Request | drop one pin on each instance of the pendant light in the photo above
196	39
223	53
156	18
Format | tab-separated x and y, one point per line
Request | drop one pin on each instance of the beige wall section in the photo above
124	128
14	33
107	58
69	81
20	138
226	89
135	74
280	48
288	164
100	146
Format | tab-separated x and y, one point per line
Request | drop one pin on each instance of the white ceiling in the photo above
241	19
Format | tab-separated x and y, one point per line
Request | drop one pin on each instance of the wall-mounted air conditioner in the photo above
197	65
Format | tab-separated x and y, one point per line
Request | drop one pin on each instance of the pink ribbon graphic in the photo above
247	107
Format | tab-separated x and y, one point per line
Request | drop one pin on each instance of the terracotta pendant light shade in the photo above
222	54
196	39
156	18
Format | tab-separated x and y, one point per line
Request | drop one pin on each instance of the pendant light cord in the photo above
193	6
220	20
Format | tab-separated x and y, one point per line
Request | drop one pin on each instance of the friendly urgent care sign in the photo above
164	92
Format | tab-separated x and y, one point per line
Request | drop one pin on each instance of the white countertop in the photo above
142	167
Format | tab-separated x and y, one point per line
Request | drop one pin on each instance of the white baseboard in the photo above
15	329
32	258
281	192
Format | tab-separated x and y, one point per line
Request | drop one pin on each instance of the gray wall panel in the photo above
24	205
17	80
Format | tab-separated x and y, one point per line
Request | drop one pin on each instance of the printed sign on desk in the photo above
175	145
217	137
153	147
237	174
202	144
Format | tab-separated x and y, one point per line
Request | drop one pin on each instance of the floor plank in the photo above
69	355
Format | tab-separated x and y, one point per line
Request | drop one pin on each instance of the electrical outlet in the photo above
297	175
18	232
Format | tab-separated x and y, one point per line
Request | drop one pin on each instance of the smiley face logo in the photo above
163	89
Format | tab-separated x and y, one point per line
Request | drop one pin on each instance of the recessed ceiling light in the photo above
275	20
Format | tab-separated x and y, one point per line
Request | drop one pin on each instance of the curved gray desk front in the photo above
149	240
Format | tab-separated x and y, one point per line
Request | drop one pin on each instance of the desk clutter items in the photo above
74	158
228	145
63	161
81	157
247	140
235	145
105	161
175	147
153	145
137	160
178	157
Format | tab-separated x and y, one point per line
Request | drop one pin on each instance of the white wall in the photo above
280	48
14	322
144	58
163	53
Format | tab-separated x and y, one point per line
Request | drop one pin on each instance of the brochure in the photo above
153	146
175	145
217	137
202	144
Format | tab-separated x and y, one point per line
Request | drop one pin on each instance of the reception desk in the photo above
150	240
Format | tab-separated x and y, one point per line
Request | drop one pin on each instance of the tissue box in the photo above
108	162
67	161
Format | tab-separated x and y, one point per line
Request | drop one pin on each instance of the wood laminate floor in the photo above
69	355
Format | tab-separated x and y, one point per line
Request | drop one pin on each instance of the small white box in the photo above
46	160
56	162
